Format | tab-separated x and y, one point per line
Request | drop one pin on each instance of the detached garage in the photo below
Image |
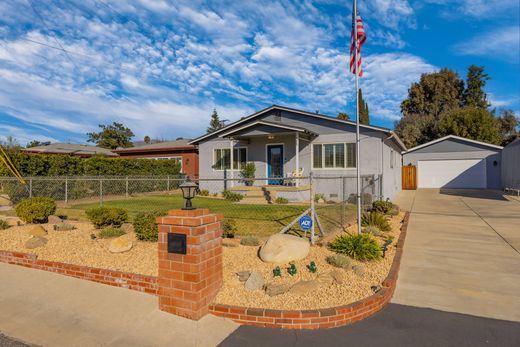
455	162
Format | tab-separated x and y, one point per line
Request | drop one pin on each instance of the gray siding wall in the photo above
453	149
375	155
511	165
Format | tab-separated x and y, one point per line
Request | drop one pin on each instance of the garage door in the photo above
468	173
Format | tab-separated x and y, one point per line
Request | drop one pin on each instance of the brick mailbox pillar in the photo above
189	282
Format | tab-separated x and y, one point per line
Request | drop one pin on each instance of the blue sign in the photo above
306	223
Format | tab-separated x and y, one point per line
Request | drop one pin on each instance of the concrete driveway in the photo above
462	253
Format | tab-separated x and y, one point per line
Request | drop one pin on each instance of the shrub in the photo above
359	246
107	216
373	230
250	241
375	219
110	232
318	197
229	228
4	224
35	210
248	173
339	260
145	227
204	192
382	206
281	201
232	196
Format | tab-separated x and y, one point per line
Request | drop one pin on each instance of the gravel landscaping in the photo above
354	287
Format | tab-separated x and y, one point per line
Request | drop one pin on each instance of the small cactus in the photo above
312	267
292	270
277	272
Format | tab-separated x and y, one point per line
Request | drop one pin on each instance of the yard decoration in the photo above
292	270
312	267
277	272
385	246
189	189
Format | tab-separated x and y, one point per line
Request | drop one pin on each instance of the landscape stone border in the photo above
141	283
325	317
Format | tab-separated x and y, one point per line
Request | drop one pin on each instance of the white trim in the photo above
451	137
231	164
345	151
282	126
315	115
267	158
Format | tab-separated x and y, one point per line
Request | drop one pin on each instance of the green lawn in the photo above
251	219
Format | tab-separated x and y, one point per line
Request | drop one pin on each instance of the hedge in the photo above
66	165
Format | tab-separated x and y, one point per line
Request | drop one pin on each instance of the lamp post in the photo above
189	190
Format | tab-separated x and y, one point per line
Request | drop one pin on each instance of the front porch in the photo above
269	193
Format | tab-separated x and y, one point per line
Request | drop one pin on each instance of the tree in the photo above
472	123
147	139
363	109
508	123
215	123
112	136
474	94
343	116
10	142
34	143
414	130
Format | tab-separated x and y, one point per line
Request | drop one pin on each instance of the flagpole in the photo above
358	176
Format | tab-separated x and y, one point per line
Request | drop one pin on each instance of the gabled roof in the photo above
70	149
304	113
159	146
455	138
269	124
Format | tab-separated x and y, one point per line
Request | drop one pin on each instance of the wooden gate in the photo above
409	177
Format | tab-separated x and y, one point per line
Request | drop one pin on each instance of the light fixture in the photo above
189	190
270	137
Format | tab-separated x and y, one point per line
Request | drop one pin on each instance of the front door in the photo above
275	164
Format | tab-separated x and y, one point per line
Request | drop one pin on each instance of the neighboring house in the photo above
511	165
180	150
456	162
83	151
278	140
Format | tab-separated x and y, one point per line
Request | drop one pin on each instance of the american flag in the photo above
361	38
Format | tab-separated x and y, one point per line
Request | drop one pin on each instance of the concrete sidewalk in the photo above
461	253
48	309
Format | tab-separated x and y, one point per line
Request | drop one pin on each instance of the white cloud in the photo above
501	43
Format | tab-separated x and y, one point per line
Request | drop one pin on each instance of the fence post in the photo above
313	211
100	192
126	187
168	183
30	188
66	190
343	205
225	179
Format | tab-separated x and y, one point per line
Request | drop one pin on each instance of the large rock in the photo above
35	242
283	248
243	275
332	277
255	281
54	219
304	287
277	289
37	230
120	244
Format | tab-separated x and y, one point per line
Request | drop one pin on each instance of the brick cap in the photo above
199	212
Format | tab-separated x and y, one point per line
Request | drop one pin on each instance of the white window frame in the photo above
345	162
231	164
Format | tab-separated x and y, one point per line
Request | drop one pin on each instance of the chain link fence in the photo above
259	206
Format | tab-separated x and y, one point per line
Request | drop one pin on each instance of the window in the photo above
222	158
334	156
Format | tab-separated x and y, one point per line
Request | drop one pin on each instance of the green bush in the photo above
375	219
339	260
232	196
107	216
4	224
359	246
250	241
110	232
373	230
35	210
145	226
204	192
382	206
229	228
318	197
248	173
281	201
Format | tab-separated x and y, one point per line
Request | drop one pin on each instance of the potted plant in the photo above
248	173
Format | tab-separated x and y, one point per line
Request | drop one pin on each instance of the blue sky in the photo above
160	67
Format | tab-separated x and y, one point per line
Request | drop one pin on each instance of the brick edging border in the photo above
141	283
320	318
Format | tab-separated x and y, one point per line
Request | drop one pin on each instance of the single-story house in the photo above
281	140
84	151
180	150
511	165
456	162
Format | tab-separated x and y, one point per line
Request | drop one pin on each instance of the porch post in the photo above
297	158
231	174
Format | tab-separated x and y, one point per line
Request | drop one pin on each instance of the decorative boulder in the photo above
277	289
37	230
54	219
283	248
255	281
120	244
35	242
304	287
